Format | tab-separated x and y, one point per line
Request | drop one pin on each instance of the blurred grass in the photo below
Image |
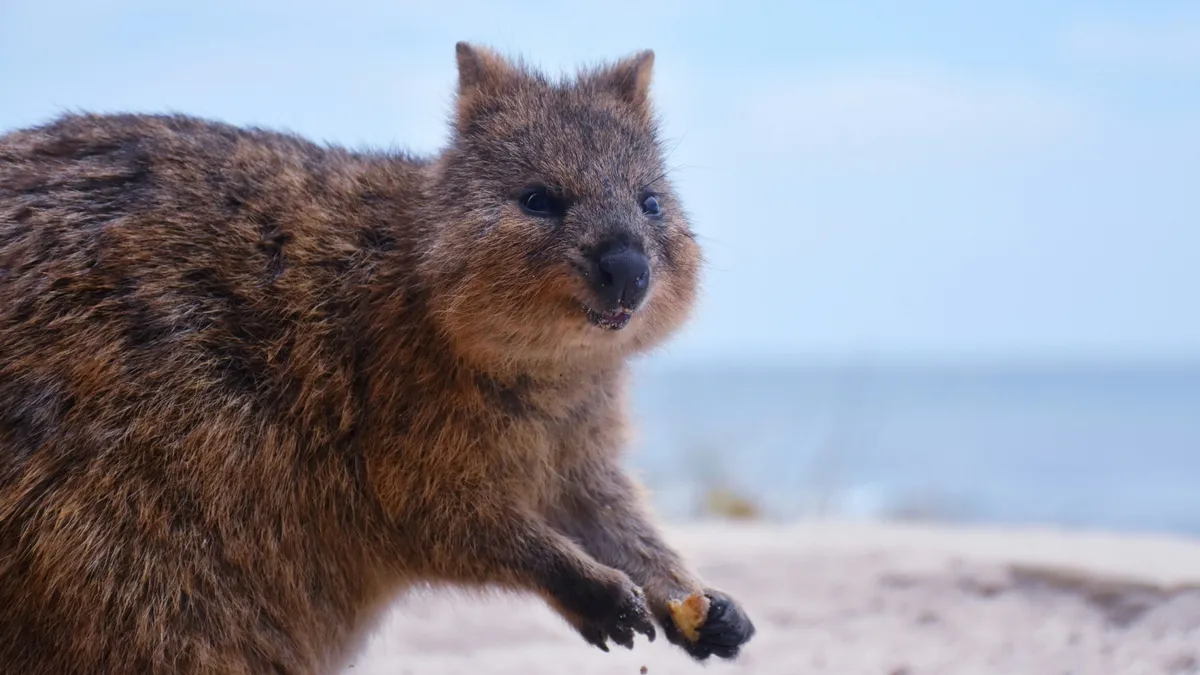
726	503
704	473
818	480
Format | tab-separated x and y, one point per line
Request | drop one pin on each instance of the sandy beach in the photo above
850	598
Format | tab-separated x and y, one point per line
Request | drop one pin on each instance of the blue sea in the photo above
1107	447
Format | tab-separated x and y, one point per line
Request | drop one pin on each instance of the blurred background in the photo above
952	246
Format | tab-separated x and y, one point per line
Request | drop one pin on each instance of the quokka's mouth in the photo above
611	320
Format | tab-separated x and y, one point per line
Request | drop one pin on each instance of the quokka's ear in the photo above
480	68
629	78
482	75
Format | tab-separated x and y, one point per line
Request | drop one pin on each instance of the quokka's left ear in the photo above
629	78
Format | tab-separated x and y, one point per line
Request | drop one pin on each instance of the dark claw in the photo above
623	638
619	621
594	637
644	624
726	652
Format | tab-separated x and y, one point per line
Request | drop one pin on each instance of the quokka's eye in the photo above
650	207
539	202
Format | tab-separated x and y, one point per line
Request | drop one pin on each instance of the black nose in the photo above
624	276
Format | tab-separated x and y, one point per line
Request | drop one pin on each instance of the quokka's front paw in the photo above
611	611
722	632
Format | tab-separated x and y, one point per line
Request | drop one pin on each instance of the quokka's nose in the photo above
624	276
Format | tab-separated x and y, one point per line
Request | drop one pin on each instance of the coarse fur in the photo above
251	387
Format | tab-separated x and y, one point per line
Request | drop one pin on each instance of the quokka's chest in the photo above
509	433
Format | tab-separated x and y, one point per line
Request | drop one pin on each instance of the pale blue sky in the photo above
1009	179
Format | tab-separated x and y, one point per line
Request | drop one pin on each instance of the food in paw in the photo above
689	614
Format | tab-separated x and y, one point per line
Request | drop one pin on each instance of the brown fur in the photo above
251	387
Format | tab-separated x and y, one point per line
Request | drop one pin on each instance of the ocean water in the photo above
1093	447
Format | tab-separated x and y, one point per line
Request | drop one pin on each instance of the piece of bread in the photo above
690	614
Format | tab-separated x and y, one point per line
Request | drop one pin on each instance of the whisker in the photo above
664	174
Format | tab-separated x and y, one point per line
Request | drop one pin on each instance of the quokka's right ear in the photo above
480	68
482	74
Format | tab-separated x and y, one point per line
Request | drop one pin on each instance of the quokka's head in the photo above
559	236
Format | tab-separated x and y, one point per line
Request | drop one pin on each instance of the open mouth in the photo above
611	320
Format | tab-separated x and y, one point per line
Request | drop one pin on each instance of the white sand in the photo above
849	598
